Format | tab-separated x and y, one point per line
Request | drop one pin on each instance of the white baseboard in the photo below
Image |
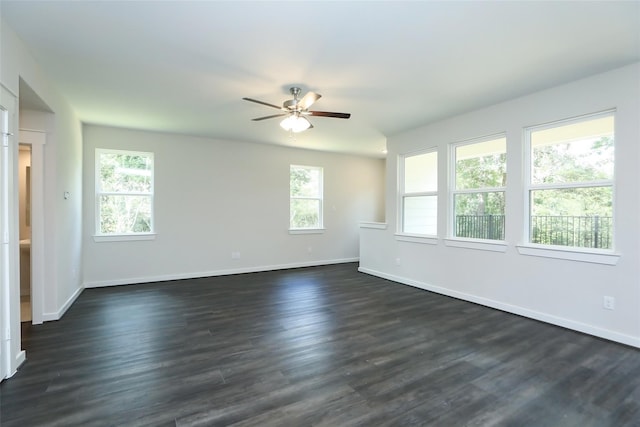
20	358
532	314
47	317
227	272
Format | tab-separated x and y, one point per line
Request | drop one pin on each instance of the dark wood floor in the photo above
315	346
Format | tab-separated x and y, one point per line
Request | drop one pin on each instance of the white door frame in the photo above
10	354
37	140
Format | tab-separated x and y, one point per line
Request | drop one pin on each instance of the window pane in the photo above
579	217
420	215
125	214
481	165
578	152
305	182
127	173
421	173
573	201
480	215
305	213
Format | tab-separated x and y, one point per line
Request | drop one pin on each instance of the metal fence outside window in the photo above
480	226
576	231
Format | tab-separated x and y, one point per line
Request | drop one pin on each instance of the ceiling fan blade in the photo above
330	114
308	100
270	117
262	102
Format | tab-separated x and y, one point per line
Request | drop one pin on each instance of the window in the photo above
419	194
570	182
305	203
479	180
124	192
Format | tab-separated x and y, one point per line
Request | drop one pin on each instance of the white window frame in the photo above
466	242
320	199
402	235
592	255
106	237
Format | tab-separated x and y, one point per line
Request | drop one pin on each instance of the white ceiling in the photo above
183	66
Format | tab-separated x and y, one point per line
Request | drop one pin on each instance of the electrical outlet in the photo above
609	303
397	261
235	255
309	249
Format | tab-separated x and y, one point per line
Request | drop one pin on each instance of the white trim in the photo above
376	225
307	230
319	197
37	140
532	314
453	191
21	357
226	272
10	337
572	254
8	321
123	237
98	189
483	245
47	317
402	194
530	248
570	185
412	238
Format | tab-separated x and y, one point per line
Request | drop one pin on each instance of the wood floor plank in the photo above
319	346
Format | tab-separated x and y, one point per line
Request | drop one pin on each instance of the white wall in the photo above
216	197
564	292
63	167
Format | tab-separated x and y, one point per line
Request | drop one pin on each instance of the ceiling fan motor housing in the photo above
292	104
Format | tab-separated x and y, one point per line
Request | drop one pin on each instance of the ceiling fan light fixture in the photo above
295	123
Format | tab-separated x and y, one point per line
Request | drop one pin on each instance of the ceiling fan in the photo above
296	110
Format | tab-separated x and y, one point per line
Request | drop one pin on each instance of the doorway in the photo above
31	146
24	209
11	353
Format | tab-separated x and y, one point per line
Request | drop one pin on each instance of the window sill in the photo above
482	245
306	231
375	225
123	237
416	238
572	254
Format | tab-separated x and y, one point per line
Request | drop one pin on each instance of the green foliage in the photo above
575	216
481	172
566	164
304	213
573	162
486	203
125	183
305	197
